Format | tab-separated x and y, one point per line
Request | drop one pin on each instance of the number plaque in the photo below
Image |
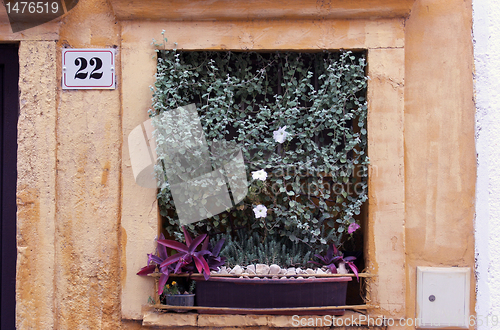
88	69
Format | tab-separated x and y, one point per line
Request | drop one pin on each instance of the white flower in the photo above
260	211
280	135
259	175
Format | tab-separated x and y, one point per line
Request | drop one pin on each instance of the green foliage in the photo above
317	178
244	249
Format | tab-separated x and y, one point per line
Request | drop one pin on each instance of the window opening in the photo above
300	118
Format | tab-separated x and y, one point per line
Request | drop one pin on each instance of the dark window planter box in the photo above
251	294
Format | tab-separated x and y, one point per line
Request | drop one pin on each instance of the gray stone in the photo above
310	271
341	268
237	270
300	271
274	269
251	269
262	269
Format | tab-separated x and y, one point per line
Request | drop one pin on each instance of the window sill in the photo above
151	317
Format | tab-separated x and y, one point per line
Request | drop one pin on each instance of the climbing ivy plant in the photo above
316	169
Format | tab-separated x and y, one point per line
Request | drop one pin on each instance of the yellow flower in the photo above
174	283
168	286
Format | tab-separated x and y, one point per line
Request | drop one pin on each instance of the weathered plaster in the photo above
139	212
87	275
36	186
439	139
200	10
487	75
84	227
270	34
383	38
385	243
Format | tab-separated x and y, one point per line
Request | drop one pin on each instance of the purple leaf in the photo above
205	266
187	259
320	257
161	282
202	253
349	258
335	250
329	253
332	268
196	242
155	259
187	236
201	265
205	244
218	247
174	245
179	265
213	263
170	260
162	250
166	269
353	268
147	270
336	259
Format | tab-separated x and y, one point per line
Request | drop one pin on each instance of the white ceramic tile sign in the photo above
88	69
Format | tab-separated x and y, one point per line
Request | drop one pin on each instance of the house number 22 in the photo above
88	68
96	62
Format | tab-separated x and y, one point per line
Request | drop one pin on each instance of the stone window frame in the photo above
382	39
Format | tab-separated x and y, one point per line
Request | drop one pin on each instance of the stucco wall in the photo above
36	186
69	182
70	210
487	225
440	158
384	42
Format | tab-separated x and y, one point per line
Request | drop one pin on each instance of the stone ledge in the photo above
215	320
350	320
153	318
200	10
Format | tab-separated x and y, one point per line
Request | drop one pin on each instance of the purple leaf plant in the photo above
186	260
333	258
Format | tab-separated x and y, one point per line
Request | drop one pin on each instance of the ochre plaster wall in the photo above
36	191
69	181
440	157
384	42
71	245
87	272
